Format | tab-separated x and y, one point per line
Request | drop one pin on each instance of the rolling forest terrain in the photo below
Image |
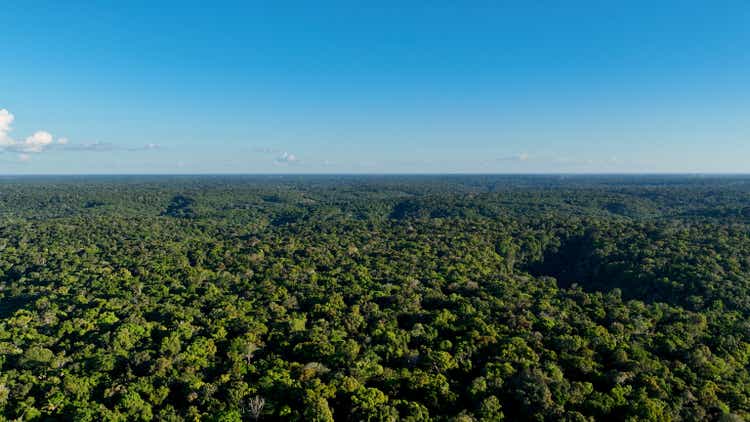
375	298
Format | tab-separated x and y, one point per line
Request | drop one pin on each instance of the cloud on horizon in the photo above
102	147
524	156
287	158
6	120
42	141
283	158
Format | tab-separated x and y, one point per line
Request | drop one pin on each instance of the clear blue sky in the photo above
394	87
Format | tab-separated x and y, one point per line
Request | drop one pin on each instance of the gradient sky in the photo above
395	87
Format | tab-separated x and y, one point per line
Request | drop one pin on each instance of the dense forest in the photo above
320	298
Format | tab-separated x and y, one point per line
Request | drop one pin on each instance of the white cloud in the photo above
35	143
287	158
42	141
6	120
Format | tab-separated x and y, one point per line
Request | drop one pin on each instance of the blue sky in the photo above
394	87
